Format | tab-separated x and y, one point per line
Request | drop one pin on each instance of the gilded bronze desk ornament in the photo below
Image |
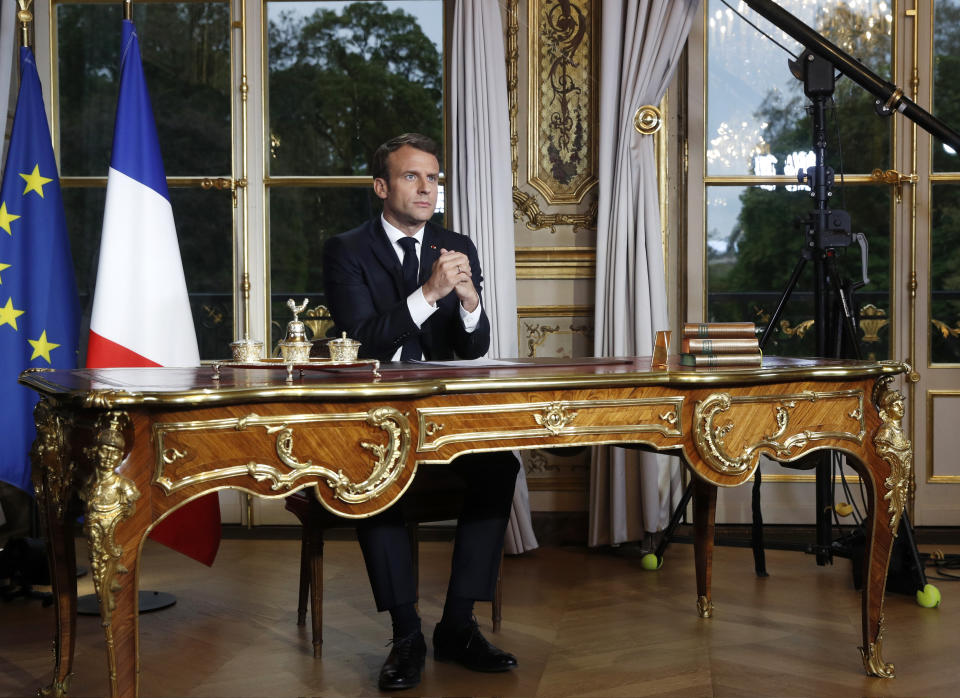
295	347
343	348
295	351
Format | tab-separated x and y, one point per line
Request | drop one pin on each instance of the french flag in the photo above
141	312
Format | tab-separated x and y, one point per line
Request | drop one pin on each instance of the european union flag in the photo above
39	310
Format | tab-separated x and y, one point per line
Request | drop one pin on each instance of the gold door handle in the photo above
222	183
895	178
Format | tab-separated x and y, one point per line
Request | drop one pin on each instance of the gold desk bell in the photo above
295	347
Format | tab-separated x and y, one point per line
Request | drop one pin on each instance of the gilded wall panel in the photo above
943	437
555	332
562	98
552	78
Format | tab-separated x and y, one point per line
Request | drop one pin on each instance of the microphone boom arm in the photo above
890	98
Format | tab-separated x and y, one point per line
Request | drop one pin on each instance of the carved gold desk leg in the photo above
53	482
889	459
110	501
704	510
876	559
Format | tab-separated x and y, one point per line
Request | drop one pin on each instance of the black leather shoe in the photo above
404	663
466	646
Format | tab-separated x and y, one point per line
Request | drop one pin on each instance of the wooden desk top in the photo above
117	387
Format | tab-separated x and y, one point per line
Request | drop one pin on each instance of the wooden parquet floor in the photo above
581	622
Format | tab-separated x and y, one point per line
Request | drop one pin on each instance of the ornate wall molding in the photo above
575	34
526	206
556	262
536	334
529	311
562	98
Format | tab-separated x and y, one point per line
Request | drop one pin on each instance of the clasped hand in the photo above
451	272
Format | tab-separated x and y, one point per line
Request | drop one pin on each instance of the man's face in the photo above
410	194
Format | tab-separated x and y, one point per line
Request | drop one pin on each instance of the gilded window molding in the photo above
932	396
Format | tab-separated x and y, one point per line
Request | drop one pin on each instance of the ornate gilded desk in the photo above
135	444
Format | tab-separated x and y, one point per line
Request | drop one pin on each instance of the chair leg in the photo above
498	598
315	547
414	537
304	577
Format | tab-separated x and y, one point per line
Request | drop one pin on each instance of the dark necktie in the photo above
411	265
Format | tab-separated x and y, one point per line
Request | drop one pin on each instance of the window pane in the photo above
755	239
945	274
346	76
946	91
83	209
204	222
186	59
301	220
204	230
756	110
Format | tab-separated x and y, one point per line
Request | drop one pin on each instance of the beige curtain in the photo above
632	493
480	194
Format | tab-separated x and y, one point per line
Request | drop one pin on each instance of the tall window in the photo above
186	58
338	79
758	133
944	320
343	77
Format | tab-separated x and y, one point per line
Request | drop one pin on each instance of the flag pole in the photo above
25	16
128	9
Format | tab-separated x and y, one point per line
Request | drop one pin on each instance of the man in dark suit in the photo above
409	289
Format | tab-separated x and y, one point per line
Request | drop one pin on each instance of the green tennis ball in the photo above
651	562
929	596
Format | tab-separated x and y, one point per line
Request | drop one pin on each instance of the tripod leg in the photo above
846	318
782	303
674	522
756	530
906	530
824	501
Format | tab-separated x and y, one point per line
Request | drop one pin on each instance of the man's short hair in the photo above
378	167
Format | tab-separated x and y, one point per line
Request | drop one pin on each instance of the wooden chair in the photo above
435	495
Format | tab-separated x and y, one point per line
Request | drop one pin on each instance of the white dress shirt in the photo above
420	308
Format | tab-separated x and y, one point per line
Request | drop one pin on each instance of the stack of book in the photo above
720	344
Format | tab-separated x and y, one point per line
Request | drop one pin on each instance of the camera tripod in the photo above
825	232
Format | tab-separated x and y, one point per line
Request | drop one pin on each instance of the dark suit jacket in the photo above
364	289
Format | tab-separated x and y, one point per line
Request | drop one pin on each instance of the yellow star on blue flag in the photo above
42	347
39	311
34	181
6	218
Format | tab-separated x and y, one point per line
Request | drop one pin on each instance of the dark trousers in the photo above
489	480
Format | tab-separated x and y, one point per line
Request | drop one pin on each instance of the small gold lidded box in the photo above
295	347
247	350
343	348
